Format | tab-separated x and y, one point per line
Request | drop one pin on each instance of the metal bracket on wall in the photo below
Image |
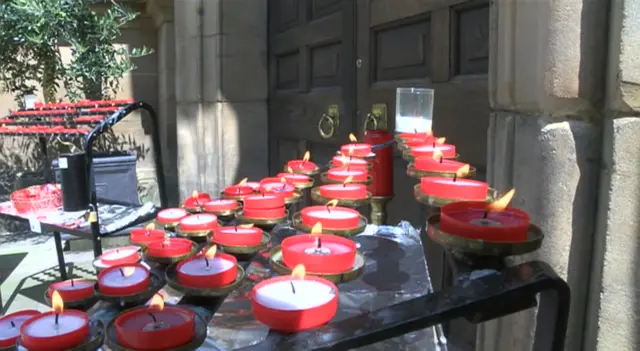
330	119
377	118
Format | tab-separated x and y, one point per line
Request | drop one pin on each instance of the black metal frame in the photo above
488	297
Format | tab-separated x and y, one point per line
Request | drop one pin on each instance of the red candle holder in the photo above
331	218
420	135
341	174
274	186
207	273
265	205
476	220
152	328
143	236
302	166
314	303
415	142
196	201
356	150
172	247
123	280
348	191
441	165
221	205
200	222
447	150
321	253
253	185
171	216
238	190
120	256
73	289
10	325
454	188
295	178
41	333
351	162
238	236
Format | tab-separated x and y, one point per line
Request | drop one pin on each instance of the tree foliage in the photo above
32	32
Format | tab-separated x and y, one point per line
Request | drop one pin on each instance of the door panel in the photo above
311	66
437	44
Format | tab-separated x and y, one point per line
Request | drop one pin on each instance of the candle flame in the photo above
332	203
246	226
429	131
352	138
348	179
289	169
211	252
440	141
316	230
307	156
194	194
283	180
150	226
166	242
128	271
462	171
298	272
267	189
56	302
243	181
502	202
437	154
157	302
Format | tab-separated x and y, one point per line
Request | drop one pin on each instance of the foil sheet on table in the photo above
395	271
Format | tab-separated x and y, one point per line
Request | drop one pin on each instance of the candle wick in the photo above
57	315
162	245
434	144
293	288
117	251
486	214
284	185
13	325
415	130
236	227
329	209
455	176
121	272
206	261
72	283
344	185
318	243
155	320
440	159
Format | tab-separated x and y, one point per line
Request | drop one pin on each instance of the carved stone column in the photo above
546	84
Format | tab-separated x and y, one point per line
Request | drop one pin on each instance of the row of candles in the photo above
287	303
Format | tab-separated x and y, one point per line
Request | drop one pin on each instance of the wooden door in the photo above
437	44
311	66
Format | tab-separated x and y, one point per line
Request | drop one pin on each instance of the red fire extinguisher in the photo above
381	187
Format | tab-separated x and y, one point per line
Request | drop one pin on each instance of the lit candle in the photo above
351	162
123	255
221	205
294	303
447	150
304	165
170	247
342	173
10	326
486	221
238	235
199	222
196	200
437	163
454	188
294	178
265	205
277	185
72	289
171	216
123	280
331	216
239	190
56	330
211	269
155	327
344	191
143	236
355	149
319	253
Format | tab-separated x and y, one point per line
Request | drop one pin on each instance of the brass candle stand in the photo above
226	216
351	203
262	223
276	263
416	173
310	173
234	197
408	156
200	325
244	250
171	276
194	235
378	212
296	222
93	342
424	199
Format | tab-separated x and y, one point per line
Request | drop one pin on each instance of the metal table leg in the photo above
61	264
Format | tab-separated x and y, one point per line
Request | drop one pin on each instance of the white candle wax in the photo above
199	267
46	326
409	124
280	296
332	214
199	219
80	284
115	279
174	213
7	330
119	253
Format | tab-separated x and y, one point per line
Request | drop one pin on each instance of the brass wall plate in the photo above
379	111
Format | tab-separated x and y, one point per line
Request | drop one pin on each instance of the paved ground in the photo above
28	264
